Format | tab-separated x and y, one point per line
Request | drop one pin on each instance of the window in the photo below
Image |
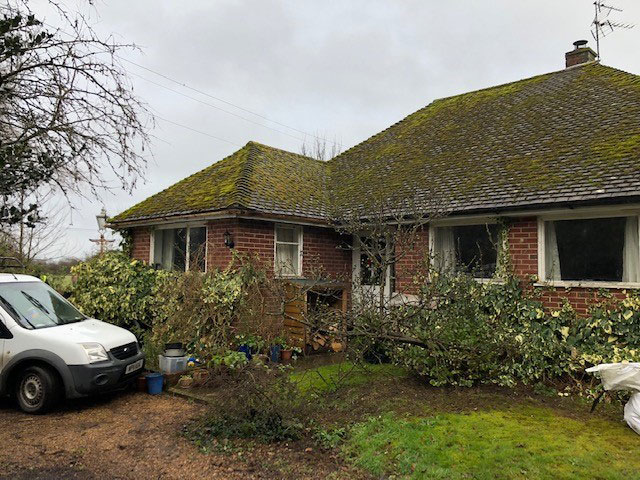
288	260
180	249
471	249
372	260
594	249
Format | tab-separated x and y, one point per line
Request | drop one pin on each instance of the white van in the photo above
49	350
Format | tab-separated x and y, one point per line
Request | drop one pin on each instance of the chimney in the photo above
580	54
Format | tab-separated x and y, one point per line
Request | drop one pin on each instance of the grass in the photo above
518	443
328	378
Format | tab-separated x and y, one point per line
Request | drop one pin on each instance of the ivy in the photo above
501	333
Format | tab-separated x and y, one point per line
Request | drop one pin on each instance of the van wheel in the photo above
37	390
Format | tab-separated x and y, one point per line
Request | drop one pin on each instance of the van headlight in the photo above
95	352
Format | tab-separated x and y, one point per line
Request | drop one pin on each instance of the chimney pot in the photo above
580	54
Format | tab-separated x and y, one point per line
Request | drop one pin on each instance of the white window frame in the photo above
357	270
542	274
298	232
175	226
461	222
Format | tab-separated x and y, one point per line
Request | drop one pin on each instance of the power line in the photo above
201	92
214	106
197	131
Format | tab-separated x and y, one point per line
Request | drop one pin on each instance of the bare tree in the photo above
320	148
68	114
30	242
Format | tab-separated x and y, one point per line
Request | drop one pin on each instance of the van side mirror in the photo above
4	331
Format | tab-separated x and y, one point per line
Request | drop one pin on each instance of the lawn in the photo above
328	378
411	430
524	442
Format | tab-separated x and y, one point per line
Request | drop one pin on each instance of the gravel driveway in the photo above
135	436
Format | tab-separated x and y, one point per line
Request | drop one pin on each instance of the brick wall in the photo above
141	244
579	298
248	237
326	253
324	250
412	260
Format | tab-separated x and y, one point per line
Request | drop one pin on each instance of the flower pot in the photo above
286	355
274	353
246	349
141	383
185	382
200	377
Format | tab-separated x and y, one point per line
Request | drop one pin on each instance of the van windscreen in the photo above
37	305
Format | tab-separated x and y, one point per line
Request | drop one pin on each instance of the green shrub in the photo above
258	402
202	310
116	289
501	333
206	311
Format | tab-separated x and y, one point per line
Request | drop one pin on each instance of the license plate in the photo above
133	367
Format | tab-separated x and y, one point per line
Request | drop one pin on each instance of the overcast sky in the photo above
339	69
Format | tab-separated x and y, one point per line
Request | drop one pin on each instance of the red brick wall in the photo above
248	237
141	244
325	253
324	250
412	261
523	246
579	298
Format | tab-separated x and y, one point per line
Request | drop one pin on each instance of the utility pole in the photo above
102	225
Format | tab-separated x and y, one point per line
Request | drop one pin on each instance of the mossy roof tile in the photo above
563	136
256	177
571	135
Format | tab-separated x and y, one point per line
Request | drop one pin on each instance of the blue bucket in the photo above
274	353
154	383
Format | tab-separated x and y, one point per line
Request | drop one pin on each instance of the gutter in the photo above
220	215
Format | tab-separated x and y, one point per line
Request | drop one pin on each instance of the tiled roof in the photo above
256	177
568	136
572	135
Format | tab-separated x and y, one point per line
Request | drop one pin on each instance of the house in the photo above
555	158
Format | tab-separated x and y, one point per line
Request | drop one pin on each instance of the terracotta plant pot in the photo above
185	382
141	383
200	376
286	355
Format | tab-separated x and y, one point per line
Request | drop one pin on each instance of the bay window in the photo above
288	251
592	249
471	249
180	249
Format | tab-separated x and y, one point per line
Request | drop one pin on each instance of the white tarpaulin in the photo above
618	376
632	412
623	376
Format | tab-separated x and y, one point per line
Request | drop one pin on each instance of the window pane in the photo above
286	235
180	249
197	248
371	259
591	249
476	249
163	248
157	247
287	259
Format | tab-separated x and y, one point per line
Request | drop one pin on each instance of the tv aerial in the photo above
602	25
